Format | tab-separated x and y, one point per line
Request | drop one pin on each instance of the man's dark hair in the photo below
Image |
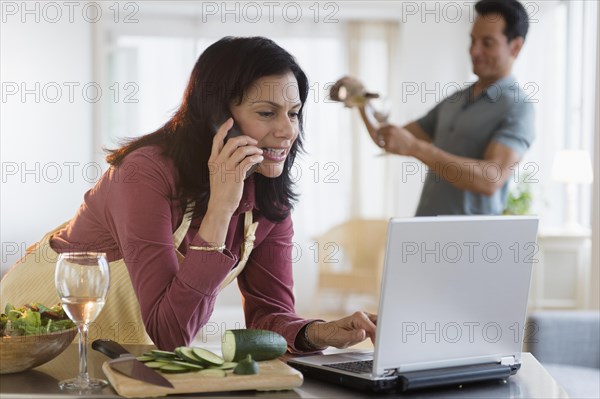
513	12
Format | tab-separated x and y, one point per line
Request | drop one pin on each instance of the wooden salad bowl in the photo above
20	353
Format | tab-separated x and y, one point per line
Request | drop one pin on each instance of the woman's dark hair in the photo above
221	76
513	12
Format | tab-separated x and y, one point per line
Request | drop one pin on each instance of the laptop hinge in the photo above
508	361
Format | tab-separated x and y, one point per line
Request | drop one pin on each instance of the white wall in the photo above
45	141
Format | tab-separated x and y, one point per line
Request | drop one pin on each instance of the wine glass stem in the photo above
83	371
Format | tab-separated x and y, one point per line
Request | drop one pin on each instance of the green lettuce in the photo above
33	319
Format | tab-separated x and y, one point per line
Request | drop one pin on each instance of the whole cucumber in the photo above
260	344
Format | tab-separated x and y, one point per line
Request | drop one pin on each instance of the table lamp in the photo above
572	167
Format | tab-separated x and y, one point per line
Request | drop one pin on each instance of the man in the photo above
472	140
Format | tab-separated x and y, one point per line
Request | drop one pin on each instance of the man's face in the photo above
491	53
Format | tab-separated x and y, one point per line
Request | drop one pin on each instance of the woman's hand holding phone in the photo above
229	162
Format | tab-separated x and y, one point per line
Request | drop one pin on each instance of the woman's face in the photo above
269	114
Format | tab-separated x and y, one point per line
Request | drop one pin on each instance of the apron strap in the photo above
247	246
183	228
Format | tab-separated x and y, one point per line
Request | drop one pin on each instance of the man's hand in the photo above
396	140
345	332
483	176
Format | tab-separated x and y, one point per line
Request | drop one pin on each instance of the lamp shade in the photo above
572	166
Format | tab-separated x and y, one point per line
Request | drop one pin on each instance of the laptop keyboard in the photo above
363	366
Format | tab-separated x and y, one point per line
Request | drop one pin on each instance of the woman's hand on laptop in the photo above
345	332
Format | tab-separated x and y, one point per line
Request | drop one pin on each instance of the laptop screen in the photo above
454	291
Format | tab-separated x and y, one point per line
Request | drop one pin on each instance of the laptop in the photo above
452	307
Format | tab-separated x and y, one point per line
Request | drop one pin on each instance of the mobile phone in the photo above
235	131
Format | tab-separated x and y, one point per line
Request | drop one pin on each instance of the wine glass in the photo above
380	109
82	280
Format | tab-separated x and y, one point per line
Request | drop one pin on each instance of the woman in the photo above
137	211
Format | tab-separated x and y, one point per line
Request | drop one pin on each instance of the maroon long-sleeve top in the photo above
131	213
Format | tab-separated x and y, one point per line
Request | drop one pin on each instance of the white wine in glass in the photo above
82	280
381	109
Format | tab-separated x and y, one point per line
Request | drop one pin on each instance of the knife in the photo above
124	362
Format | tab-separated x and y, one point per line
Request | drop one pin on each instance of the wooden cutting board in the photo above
274	375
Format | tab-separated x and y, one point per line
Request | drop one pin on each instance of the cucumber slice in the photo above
145	358
173	368
154	365
261	344
226	366
208	357
212	373
190	366
187	355
163	354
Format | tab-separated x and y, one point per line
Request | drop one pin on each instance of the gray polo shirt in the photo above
464	126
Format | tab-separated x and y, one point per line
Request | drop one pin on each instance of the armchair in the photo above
351	258
567	343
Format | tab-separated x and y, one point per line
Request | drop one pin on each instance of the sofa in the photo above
567	344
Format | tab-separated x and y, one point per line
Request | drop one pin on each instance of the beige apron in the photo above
31	280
